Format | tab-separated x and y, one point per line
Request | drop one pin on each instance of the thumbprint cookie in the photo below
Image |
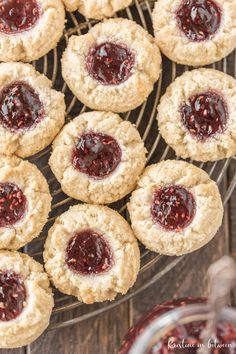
113	67
176	208
25	202
92	253
195	32
98	157
197	115
31	112
29	29
26	299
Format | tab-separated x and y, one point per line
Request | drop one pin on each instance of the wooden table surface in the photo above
103	334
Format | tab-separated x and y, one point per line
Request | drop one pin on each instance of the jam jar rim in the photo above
181	315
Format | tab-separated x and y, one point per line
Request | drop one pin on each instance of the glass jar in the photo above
175	327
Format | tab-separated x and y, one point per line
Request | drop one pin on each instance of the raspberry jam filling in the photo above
12	295
173	208
20	107
189	334
205	115
88	253
96	155
110	63
199	20
12	204
18	15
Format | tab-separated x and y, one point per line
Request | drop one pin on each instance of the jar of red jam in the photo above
176	327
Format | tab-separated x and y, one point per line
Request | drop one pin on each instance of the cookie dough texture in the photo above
177	47
97	9
116	98
34	318
117	233
207	219
29	142
40	39
177	136
114	186
35	188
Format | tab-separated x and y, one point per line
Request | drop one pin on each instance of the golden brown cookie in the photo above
25	202
98	157
195	32
31	112
113	67
29	29
176	208
92	253
197	115
26	299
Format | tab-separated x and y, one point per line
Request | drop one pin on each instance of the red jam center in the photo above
12	204
205	115
97	155
20	107
173	208
199	20
88	253
18	15
187	335
110	63
12	295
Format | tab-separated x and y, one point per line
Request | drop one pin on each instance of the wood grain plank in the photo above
188	278
232	221
100	335
13	351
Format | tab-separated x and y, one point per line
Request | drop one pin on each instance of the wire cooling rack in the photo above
153	266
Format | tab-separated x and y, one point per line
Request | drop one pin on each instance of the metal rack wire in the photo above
153	266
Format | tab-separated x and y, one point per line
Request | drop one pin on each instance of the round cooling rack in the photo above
153	266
